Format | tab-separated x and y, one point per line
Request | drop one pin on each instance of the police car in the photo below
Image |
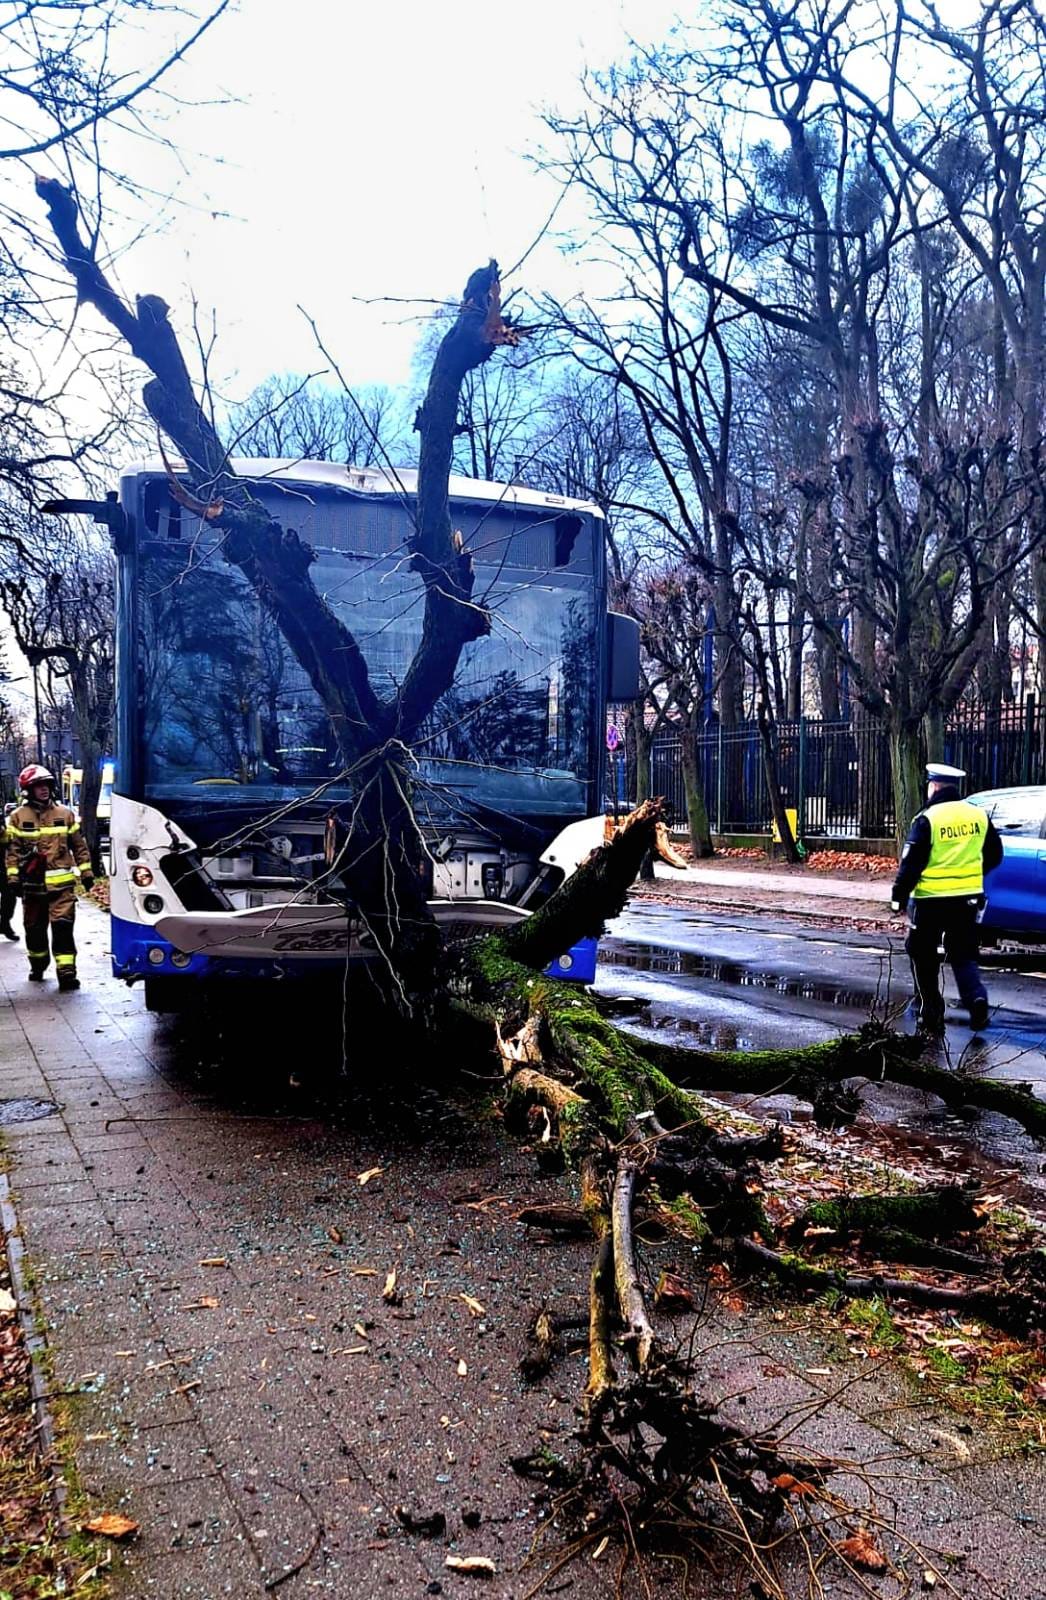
1016	890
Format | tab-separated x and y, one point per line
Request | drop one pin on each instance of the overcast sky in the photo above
372	150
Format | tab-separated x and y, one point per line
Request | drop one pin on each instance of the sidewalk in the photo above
785	891
815	884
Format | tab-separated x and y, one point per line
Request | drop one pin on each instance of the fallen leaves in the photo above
8	1303
473	1566
861	1549
851	861
112	1525
790	1485
672	1294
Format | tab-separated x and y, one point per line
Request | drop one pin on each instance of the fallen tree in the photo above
620	1115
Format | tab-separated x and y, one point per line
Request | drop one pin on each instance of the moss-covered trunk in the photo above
693	791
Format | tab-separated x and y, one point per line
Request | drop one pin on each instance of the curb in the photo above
36	1345
713	908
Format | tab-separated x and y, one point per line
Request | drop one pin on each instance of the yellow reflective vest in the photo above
52	832
956	865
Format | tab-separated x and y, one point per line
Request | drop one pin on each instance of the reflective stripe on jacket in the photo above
53	833
956	864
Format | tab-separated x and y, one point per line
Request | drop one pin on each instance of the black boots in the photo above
67	981
8	932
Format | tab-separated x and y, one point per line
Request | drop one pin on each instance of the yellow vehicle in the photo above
72	782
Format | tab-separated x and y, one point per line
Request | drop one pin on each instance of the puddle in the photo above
687	964
25	1111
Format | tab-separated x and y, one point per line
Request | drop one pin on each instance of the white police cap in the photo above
937	772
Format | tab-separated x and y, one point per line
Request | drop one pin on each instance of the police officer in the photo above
952	845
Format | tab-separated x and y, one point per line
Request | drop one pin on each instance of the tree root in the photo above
630	1300
556	1219
1016	1302
622	1112
873	1052
931	1214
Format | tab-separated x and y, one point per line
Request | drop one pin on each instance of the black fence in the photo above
836	775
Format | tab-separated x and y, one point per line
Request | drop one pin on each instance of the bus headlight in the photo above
565	962
153	904
141	876
180	959
156	955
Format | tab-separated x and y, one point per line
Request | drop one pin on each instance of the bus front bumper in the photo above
295	940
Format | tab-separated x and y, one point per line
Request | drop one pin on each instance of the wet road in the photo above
727	982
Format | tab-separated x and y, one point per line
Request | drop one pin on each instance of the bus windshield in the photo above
225	712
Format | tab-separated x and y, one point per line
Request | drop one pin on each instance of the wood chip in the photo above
335	1235
371	1172
474	1306
214	1261
390	1293
463	1370
475	1566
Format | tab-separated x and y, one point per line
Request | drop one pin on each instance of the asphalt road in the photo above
728	981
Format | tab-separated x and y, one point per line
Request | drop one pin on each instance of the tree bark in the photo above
907	768
693	790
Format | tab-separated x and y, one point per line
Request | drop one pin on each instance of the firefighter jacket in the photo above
950	849
45	849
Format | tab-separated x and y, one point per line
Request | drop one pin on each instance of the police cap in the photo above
937	772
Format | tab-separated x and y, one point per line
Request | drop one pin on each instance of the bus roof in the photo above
370	480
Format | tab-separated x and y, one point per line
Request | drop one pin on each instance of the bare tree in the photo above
899	527
297	418
56	589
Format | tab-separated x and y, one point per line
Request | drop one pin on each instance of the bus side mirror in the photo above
108	512
624	681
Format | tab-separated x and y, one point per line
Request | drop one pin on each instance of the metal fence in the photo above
836	775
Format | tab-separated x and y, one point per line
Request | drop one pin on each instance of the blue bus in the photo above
226	769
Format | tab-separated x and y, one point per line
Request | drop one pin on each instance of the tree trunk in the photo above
933	733
773	783
693	790
908	775
794	704
91	723
644	741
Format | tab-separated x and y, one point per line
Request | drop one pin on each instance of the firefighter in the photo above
951	847
46	858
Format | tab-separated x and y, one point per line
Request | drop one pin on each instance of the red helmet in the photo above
34	773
